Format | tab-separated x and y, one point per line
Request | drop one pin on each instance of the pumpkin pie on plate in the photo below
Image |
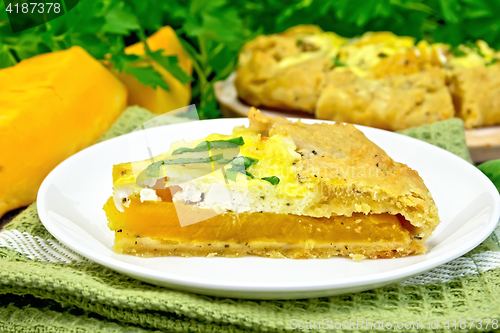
276	188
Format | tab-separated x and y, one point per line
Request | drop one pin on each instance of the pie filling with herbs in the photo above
276	188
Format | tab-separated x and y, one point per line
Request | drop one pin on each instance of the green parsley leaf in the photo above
237	141
231	174
153	170
457	52
171	64
492	62
193	160
6	58
240	164
147	75
245	161
119	21
207	145
273	180
338	63
122	60
474	47
492	170
202	146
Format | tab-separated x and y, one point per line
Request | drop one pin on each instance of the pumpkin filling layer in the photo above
153	229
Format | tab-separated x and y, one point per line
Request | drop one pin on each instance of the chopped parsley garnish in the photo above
207	145
338	63
240	164
153	170
244	161
473	46
492	61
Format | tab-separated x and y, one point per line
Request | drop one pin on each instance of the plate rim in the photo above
181	282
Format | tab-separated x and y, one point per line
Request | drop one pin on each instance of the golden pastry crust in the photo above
476	95
394	102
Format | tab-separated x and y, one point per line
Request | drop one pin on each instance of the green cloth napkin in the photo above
45	287
448	134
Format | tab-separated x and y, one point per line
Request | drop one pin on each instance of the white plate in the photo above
70	204
483	143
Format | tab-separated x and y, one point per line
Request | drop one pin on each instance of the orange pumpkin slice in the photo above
151	229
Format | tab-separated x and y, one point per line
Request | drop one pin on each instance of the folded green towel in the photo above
45	287
448	134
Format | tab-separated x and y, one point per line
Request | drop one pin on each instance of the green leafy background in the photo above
212	31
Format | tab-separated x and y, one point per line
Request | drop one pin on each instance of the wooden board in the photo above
483	143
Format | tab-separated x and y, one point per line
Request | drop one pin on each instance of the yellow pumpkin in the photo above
158	100
51	106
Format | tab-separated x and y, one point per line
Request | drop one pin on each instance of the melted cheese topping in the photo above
327	45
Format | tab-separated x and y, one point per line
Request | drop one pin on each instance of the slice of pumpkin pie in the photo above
276	188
